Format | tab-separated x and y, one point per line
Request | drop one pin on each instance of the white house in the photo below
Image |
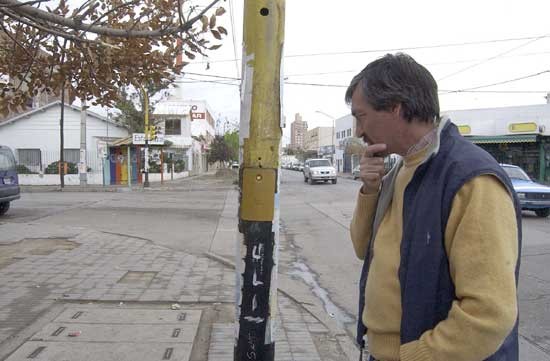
189	126
34	137
344	131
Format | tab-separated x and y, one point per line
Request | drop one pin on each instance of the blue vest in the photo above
427	289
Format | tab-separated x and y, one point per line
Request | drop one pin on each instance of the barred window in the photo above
71	155
29	157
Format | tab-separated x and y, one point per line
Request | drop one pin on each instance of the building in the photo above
189	127
298	131
517	135
320	139
345	160
34	137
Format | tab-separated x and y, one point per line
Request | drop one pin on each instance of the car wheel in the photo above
545	212
334	181
4	207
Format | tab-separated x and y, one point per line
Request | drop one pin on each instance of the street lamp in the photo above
333	129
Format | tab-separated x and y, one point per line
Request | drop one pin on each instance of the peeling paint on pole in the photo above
259	180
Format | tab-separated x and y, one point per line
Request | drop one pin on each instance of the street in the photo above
180	223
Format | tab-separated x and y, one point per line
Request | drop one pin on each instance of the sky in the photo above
328	42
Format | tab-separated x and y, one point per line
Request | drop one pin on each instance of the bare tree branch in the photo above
46	29
22	4
76	24
111	11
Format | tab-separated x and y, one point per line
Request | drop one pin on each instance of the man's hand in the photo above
372	168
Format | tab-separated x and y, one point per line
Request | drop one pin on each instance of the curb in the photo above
313	310
100	188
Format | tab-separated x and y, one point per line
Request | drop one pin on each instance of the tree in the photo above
354	146
232	141
132	115
219	150
97	48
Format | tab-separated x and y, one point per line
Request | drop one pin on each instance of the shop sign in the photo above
523	127
464	129
198	112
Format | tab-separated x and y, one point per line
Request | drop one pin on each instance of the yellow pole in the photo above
146	111
260	137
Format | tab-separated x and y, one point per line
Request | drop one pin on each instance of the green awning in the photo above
499	139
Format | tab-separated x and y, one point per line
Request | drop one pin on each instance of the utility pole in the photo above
260	140
61	163
146	155
83	168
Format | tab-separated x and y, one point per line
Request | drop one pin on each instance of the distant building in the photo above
320	140
298	131
345	133
518	135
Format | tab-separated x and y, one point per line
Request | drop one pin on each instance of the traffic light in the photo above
152	132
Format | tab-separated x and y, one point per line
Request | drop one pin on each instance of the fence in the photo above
36	161
39	167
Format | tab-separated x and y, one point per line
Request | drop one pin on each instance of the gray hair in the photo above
398	79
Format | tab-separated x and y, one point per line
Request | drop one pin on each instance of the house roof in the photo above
58	102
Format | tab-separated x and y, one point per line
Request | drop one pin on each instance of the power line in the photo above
317	84
195	80
435	46
427	64
445	92
470	89
234	38
492	57
213	76
447	45
500	82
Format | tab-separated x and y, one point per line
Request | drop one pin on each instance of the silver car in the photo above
317	170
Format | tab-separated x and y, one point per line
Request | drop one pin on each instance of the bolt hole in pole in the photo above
264	11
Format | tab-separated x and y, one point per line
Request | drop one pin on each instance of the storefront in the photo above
530	152
513	135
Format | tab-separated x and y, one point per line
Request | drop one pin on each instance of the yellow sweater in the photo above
481	244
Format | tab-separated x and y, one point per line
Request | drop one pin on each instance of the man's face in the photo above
374	127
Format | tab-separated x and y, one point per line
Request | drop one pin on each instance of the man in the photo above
440	234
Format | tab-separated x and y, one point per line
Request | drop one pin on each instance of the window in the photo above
71	155
172	127
349	132
319	163
6	160
29	157
337	135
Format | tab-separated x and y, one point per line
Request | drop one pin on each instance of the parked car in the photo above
532	196
9	181
235	165
319	170
356	173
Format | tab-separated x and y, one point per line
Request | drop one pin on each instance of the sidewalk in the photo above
80	294
107	187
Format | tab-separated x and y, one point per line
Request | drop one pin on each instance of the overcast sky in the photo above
327	42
